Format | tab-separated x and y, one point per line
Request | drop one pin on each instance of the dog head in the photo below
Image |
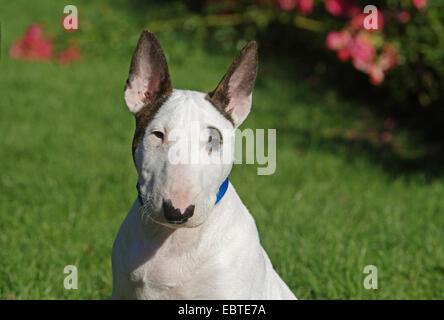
183	138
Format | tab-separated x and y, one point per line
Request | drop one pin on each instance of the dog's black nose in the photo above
174	215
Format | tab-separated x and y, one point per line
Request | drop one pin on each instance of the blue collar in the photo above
222	189
220	194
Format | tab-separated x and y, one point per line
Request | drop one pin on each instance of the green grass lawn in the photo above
337	202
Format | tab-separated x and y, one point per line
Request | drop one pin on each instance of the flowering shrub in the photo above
68	55
368	52
303	6
404	53
35	46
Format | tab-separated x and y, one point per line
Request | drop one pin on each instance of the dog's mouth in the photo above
150	212
171	224
178	222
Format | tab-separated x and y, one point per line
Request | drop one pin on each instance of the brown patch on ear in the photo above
148	65
144	117
220	97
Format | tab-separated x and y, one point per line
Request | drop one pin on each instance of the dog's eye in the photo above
158	134
214	140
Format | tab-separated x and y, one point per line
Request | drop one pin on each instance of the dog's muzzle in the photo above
173	215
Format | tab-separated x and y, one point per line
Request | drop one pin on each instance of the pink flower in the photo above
385	137
305	6
361	65
286	4
41	50
419	3
376	74
69	55
343	54
357	22
339	7
353	10
361	50
17	51
33	34
404	16
388	58
32	46
337	40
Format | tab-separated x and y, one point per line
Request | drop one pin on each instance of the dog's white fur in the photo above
216	254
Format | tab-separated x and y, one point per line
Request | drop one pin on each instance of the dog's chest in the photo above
151	281
166	274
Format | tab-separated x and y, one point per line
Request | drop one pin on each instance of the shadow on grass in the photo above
320	69
430	164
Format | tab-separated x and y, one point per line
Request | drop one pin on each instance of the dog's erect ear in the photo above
232	95
149	79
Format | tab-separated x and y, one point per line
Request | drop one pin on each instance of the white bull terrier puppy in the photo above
188	235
